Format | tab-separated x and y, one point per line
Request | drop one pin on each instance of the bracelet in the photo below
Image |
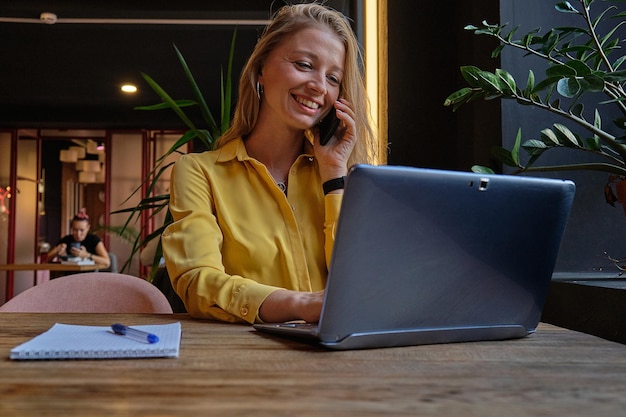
334	184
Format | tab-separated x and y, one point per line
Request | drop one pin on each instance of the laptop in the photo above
426	256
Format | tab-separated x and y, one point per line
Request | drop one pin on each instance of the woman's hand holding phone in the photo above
333	155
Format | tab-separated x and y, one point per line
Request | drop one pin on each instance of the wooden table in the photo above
58	267
44	266
230	370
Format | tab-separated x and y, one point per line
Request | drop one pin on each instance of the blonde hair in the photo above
287	21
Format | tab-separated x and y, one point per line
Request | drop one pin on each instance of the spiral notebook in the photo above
69	341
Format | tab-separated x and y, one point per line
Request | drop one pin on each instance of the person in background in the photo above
254	219
80	243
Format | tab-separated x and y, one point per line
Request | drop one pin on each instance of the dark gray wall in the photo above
427	44
595	227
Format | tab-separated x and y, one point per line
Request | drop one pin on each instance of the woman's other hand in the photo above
62	249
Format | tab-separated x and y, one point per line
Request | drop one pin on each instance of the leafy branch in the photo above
580	63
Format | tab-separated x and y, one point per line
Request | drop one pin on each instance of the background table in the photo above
46	267
227	369
51	267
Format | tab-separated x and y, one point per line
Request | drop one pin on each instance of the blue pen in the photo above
134	333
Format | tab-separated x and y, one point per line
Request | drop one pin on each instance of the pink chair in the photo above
91	292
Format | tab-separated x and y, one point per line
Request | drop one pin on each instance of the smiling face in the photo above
301	78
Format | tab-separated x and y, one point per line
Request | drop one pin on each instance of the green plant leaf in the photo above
597	120
534	147
607	37
549	137
561	71
509	36
567	31
592	83
549	42
580	50
227	87
615	77
516	148
490	83
129	234
577	110
566	7
618	63
508	80
167	99
530	83
470	74
546	83
163	105
458	97
568	87
594	144
620	122
477	95
503	155
479	169
497	51
529	39
581	68
204	108
489	25
566	136
601	16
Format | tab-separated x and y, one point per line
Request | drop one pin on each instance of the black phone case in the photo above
328	126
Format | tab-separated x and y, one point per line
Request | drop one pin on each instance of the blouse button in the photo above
244	310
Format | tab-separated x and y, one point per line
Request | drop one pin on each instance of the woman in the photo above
81	243
254	219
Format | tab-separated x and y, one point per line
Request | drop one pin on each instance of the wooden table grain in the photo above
230	370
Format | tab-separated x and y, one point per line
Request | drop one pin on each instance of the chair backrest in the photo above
113	265
91	292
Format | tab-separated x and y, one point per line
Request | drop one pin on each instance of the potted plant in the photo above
584	67
584	61
205	137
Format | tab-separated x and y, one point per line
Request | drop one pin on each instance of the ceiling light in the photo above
48	18
129	88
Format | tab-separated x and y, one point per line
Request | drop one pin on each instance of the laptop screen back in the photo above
431	249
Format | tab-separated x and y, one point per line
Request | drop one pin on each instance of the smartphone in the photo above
328	126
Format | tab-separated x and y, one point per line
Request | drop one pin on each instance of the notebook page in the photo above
69	341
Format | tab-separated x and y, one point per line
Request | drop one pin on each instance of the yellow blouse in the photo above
237	237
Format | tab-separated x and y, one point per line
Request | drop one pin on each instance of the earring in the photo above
259	90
